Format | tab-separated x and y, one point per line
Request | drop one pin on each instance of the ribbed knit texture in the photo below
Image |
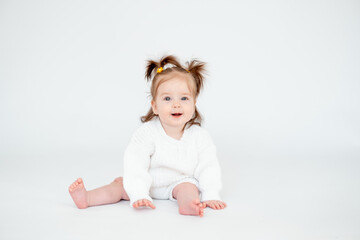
154	159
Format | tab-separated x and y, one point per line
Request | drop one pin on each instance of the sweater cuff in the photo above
134	199
210	195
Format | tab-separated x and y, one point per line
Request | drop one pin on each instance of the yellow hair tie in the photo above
160	69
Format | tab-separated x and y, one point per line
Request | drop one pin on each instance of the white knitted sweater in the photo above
154	159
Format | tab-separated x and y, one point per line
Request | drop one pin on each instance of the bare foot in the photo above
194	208
79	194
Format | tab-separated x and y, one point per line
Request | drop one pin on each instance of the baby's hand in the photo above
143	203
215	204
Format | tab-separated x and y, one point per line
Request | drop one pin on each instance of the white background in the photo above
281	100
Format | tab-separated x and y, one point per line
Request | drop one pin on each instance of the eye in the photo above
167	98
184	98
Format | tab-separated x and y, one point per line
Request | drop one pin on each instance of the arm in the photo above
137	180
208	170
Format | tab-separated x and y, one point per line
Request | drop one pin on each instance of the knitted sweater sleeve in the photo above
208	169
137	180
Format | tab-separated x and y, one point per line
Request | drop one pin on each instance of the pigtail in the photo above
197	70
152	67
170	60
149	69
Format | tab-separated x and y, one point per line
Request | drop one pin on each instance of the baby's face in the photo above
174	103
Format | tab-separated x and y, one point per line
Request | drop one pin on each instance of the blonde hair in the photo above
193	73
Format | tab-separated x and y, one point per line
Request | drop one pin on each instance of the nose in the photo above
176	104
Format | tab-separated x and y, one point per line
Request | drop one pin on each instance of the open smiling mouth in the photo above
176	114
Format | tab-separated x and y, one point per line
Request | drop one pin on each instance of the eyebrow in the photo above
166	93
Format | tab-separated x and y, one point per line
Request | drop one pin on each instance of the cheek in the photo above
191	108
163	107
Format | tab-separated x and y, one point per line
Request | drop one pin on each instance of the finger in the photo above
217	206
149	204
152	205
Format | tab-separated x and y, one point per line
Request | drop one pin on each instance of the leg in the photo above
187	196
111	193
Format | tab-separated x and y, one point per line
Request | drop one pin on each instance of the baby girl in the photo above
170	156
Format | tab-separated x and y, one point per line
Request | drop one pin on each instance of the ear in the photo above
154	107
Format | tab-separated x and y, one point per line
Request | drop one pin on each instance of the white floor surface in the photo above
267	199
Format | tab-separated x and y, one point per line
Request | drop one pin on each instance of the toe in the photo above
201	213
